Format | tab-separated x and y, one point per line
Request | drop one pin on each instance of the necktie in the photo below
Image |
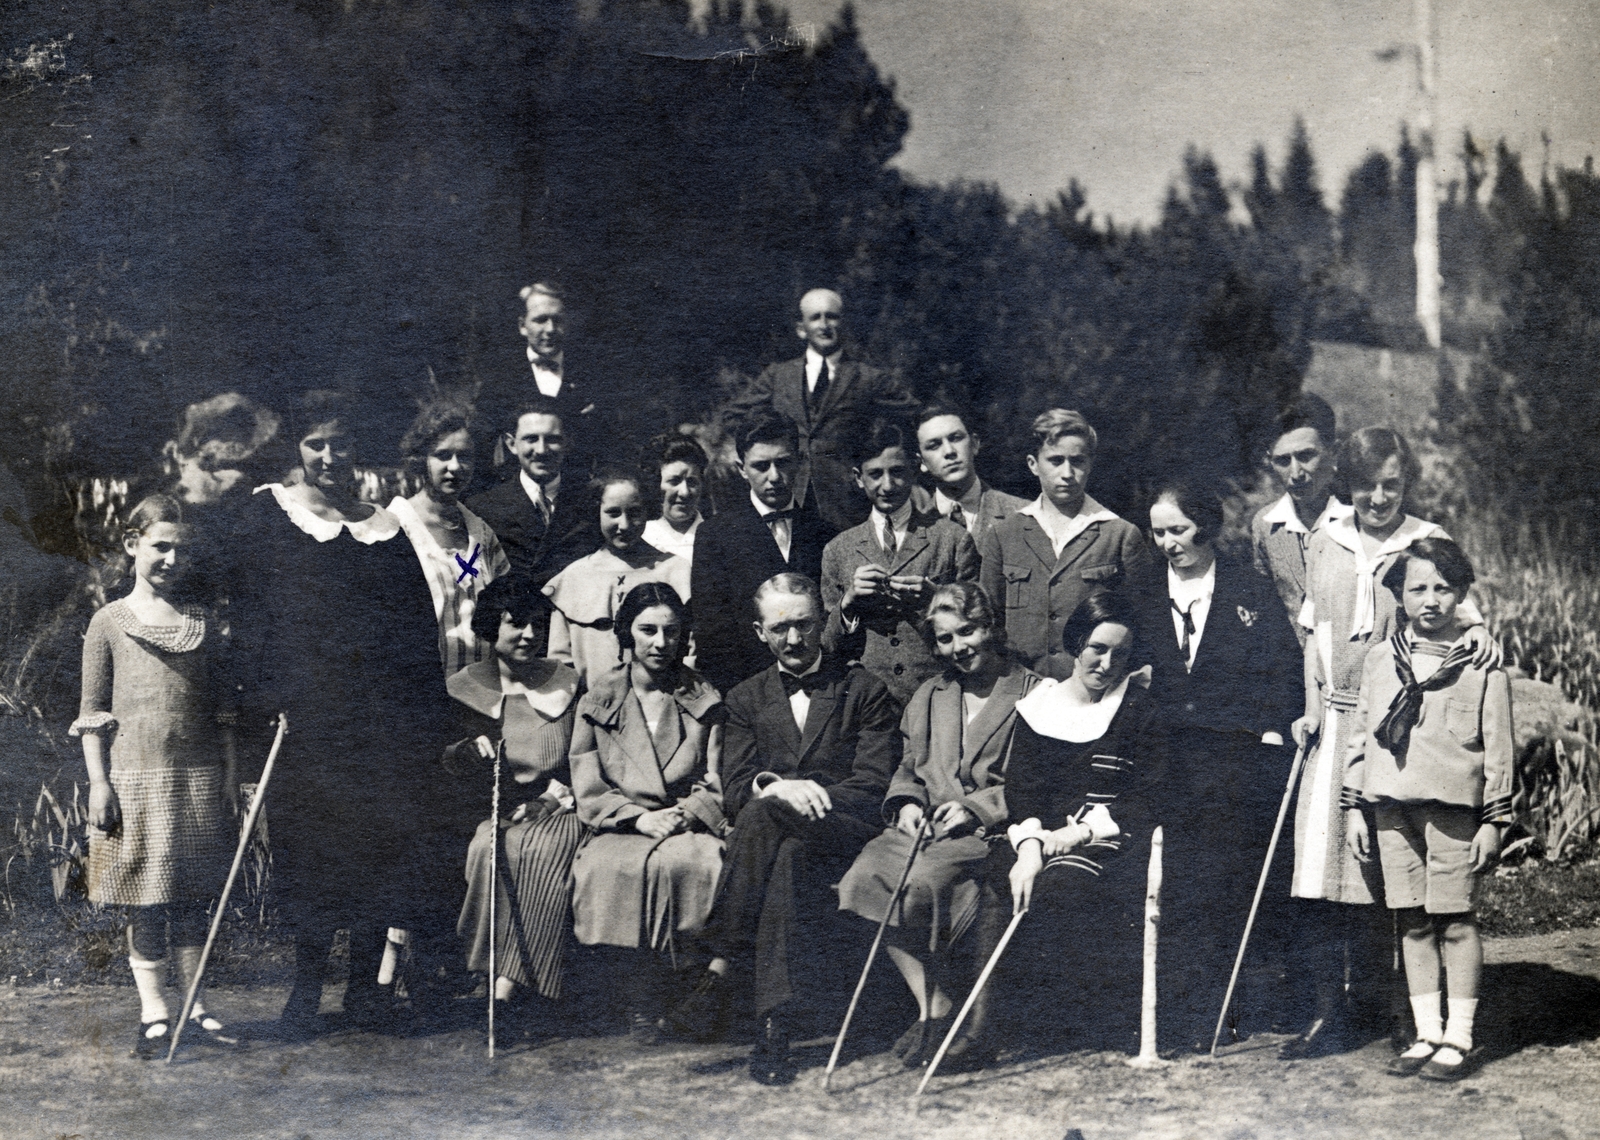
822	383
808	684
889	543
1188	630
545	508
958	516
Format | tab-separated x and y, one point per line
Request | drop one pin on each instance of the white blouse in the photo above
455	579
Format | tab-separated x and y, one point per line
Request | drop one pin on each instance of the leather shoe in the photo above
702	1014
965	1055
770	1064
1322	1039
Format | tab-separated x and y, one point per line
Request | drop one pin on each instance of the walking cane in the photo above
245	833
905	877
1261	886
494	881
1148	1058
977	988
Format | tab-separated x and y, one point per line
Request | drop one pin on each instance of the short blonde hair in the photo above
1059	422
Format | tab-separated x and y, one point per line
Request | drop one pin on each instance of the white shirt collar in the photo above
553	694
1050	710
971	503
533	490
379	526
763	510
543	364
1284	515
1060	529
815	665
900	521
1187	592
814	361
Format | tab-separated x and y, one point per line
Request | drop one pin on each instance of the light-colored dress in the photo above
629	889
152	693
587	595
946	758
533	911
1347	611
455	579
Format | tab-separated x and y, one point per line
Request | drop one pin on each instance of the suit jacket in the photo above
508	380
947	759
535	549
888	640
851	742
1248	675
994	507
1038	591
855	392
734	552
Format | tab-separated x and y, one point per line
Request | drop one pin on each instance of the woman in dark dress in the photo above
1227	677
336	626
1087	760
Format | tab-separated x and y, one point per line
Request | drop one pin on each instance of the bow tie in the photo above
808	684
776	516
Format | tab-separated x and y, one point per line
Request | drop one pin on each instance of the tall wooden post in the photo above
1147	1057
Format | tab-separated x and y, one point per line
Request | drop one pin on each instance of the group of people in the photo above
871	690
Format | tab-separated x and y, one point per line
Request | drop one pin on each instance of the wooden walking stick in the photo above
1261	886
966	1008
494	881
1148	1058
905	877
245	833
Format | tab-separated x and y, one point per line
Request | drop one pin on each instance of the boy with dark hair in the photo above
948	451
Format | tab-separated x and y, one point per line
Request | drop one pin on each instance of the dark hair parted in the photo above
1055	424
437	419
674	447
1309	410
1447	558
879	434
937	408
1100	607
641	598
149	511
766	427
797	585
530	406
969	602
1366	451
512	594
1203	508
321	406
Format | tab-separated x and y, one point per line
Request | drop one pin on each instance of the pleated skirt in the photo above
533	906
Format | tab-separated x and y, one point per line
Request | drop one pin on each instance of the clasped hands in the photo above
807	797
873	581
948	819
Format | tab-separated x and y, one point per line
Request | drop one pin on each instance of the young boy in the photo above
877	576
1040	563
1432	753
949	453
1301	461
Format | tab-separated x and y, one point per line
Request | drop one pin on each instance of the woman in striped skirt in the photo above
526	702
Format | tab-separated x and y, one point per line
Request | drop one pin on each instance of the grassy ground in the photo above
64	1073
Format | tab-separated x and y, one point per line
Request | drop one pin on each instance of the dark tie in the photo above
808	684
889	543
1188	630
958	516
822	383
774	516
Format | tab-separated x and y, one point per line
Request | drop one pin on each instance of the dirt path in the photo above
64	1074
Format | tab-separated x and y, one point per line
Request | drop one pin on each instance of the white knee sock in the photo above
147	977
1425	1011
1463	1011
188	967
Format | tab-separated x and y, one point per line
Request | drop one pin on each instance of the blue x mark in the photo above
468	566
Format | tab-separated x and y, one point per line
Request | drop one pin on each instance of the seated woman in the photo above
1080	786
679	465
645	769
585	630
958	732
459	554
527	703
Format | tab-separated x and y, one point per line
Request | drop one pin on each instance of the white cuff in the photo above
1027	829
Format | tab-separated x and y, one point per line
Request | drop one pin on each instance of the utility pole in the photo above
1426	249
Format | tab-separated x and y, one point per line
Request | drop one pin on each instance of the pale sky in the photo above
1030	93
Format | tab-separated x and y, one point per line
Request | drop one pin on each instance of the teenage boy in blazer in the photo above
878	576
826	394
1041	562
542	523
949	451
746	542
810	746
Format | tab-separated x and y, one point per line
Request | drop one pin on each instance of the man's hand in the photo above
807	797
1030	860
948	818
1485	847
910	819
869	580
909	587
1357	837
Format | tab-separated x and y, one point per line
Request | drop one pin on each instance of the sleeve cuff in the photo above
763	781
1018	833
1497	811
100	722
1349	797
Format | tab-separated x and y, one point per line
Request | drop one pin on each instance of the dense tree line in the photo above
265	197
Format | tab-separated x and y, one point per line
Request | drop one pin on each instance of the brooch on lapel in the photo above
1246	616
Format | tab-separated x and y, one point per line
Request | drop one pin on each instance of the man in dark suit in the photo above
809	748
542	524
826	394
747	542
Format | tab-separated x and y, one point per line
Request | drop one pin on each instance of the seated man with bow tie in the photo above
808	751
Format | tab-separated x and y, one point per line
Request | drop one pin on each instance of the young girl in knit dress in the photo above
158	841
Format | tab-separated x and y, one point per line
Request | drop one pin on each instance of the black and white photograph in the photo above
736	569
